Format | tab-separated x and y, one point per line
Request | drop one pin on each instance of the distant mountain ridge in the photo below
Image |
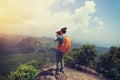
99	48
12	42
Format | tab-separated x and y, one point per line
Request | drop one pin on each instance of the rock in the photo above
48	73
86	69
52	78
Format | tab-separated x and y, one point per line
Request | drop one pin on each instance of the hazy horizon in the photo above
94	21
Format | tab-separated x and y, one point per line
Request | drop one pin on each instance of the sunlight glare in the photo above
1	13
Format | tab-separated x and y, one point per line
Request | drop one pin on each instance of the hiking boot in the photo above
57	73
62	70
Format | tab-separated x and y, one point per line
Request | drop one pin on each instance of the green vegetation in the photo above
25	71
9	63
109	64
22	49
87	56
33	63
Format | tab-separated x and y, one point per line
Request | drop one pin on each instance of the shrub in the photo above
109	64
86	56
24	72
33	63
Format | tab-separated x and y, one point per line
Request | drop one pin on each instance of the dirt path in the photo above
78	75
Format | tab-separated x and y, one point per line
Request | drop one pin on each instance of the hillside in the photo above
47	73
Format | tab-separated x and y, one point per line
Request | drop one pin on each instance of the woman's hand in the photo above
55	39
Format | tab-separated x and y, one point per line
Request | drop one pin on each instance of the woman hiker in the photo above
59	55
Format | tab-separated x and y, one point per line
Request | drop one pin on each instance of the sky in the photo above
92	21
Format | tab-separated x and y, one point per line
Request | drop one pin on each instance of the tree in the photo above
109	64
87	56
83	56
71	56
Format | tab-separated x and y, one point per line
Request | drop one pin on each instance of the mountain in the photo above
3	45
29	44
99	48
23	48
12	43
49	41
48	73
102	49
9	43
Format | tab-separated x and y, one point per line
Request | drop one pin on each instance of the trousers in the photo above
59	61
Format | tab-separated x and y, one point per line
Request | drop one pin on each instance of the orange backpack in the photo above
66	45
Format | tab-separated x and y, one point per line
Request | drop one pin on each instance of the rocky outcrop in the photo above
86	69
47	73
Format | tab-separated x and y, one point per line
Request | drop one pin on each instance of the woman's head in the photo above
63	30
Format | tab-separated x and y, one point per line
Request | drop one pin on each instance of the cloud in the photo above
68	2
99	22
36	17
82	14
